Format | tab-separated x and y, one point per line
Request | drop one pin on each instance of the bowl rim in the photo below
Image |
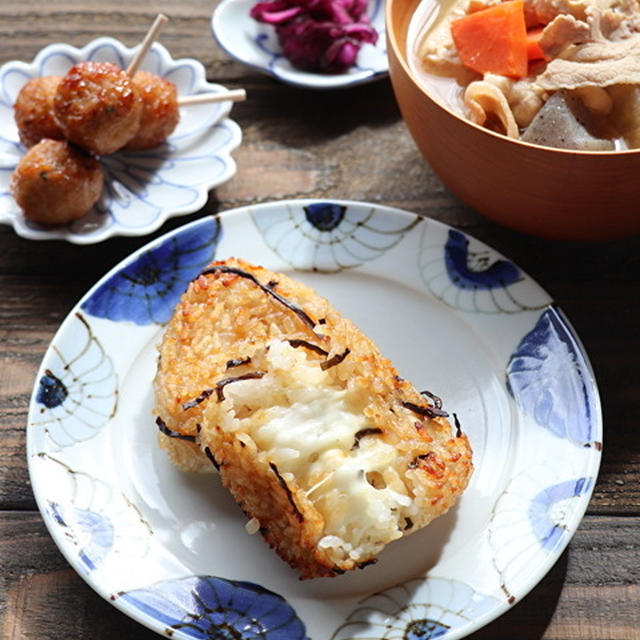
401	56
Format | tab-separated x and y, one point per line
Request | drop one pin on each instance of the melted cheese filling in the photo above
313	432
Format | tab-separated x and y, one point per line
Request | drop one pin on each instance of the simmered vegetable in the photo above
534	52
493	40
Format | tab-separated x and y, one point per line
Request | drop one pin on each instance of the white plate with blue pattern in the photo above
256	45
142	188
170	549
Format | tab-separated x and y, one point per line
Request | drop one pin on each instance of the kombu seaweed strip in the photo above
437	401
244	274
362	433
284	485
429	412
238	362
197	400
221	384
337	359
295	343
456	422
212	458
162	426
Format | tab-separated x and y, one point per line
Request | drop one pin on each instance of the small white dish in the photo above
256	45
142	188
170	549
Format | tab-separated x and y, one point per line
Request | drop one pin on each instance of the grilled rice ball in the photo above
97	106
33	111
329	452
55	183
160	111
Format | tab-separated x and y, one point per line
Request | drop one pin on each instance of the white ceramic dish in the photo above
142	188
256	45
170	549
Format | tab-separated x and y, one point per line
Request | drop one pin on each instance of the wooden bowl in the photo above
552	193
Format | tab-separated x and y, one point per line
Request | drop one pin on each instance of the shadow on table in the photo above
295	117
529	619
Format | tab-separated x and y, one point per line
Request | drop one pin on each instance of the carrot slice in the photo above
534	52
493	40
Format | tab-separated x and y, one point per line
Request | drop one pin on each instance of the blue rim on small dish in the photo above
142	188
256	45
170	549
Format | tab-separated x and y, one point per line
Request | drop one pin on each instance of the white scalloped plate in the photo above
142	188
256	45
170	549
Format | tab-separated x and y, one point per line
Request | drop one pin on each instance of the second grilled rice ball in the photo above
325	448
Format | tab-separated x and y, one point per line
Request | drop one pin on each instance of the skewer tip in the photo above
149	39
235	95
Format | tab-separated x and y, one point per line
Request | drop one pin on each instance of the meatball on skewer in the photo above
97	107
56	183
33	111
160	112
97	104
161	108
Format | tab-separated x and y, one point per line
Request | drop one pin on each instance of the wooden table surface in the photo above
345	144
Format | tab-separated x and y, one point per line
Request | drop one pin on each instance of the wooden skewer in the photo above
149	39
235	95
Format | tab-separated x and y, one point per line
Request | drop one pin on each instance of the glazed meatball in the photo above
160	112
33	111
55	183
97	107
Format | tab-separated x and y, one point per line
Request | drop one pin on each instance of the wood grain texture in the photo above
591	593
348	144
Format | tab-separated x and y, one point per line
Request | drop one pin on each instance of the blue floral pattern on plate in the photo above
545	527
114	503
550	379
328	236
77	394
484	275
256	45
205	607
420	609
94	522
97	530
142	188
467	275
148	288
534	517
